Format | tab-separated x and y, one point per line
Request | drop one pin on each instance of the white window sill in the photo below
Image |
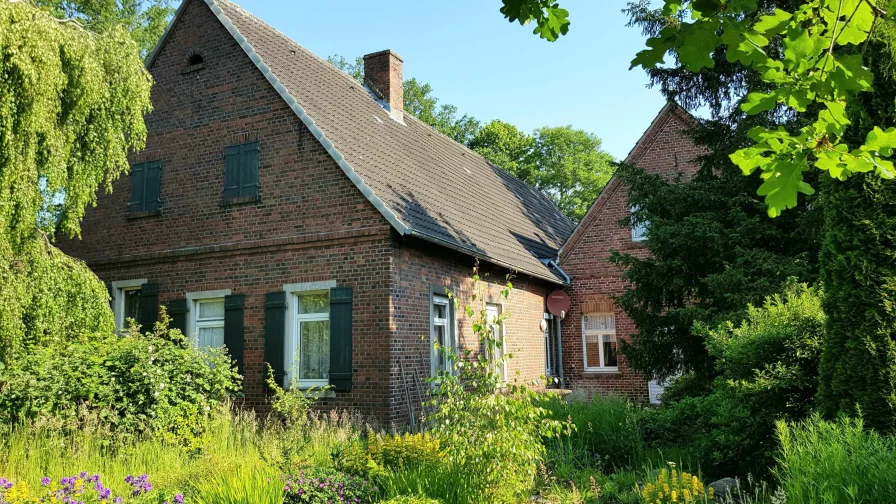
601	371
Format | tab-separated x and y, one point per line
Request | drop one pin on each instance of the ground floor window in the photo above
311	337
599	339
495	350
126	301
206	318
441	334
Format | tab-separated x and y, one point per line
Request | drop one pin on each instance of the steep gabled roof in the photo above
670	110
424	183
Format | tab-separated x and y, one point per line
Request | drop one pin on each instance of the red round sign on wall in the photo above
558	303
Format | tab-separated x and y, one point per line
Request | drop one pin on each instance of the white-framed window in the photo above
639	229
495	352
441	336
599	340
308	333
126	301
205	324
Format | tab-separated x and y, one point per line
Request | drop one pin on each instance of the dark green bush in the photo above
155	382
768	370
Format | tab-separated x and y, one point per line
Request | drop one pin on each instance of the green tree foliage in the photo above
74	106
551	21
505	145
145	20
712	251
767	370
810	60
858	369
565	163
712	248
569	166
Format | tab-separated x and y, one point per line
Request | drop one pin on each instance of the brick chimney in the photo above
382	74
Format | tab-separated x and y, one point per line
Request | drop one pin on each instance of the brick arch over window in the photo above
597	304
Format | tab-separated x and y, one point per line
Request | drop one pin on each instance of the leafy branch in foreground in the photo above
811	59
551	21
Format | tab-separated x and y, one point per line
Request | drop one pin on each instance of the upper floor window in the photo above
599	340
146	183
441	334
639	229
241	171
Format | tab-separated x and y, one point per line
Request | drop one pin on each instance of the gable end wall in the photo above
664	149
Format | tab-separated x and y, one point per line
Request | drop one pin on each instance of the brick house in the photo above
286	211
591	361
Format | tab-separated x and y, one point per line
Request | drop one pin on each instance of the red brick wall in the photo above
664	149
303	191
361	262
417	269
310	224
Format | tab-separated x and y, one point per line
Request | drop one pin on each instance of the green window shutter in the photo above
149	306
249	169
138	174
232	171
177	310
152	185
341	338
233	328
275	334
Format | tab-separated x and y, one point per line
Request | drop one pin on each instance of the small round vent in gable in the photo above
195	59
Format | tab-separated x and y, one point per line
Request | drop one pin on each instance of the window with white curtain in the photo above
209	322
599	340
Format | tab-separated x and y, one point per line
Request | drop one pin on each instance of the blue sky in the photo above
487	67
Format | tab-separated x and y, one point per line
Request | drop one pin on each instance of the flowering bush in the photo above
315	488
674	487
83	488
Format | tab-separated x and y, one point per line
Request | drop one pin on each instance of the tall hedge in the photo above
858	265
858	366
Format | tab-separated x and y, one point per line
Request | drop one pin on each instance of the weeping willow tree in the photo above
71	106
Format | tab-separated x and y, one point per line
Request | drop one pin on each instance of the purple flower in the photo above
45	481
179	499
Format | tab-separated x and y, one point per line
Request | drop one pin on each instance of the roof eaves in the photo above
337	156
475	253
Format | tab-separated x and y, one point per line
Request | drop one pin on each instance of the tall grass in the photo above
840	462
241	460
606	433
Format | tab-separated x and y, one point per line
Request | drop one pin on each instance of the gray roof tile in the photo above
440	190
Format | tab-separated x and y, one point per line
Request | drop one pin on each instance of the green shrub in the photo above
362	457
768	369
822	462
155	382
606	432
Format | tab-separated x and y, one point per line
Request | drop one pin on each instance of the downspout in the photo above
554	264
560	353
